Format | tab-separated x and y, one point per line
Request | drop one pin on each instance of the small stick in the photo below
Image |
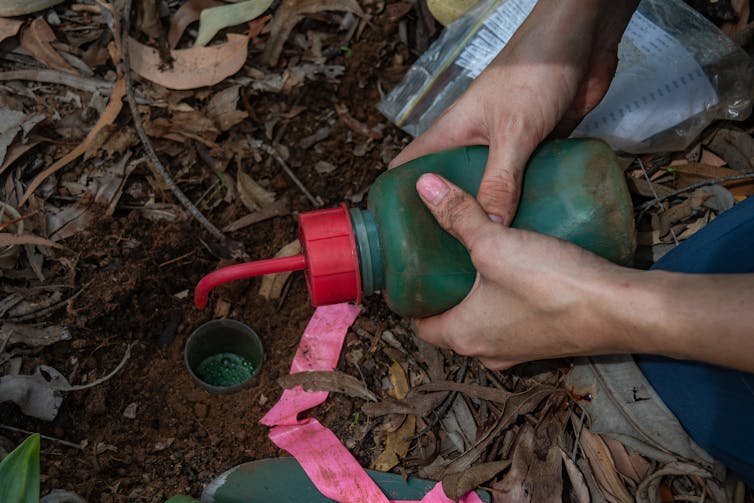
645	206
155	161
272	152
58	440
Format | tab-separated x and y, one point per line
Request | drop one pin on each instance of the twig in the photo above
57	77
79	387
714	181
47	310
155	161
660	207
272	152
27	432
443	409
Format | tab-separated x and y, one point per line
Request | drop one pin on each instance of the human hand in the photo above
534	297
554	70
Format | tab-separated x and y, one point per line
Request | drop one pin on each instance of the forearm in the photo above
704	317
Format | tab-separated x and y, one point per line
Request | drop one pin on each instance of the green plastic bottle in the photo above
572	189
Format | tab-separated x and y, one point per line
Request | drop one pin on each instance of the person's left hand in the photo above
535	296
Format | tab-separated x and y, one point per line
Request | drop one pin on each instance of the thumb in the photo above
455	210
500	188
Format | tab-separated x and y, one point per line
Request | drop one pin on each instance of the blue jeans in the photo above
715	405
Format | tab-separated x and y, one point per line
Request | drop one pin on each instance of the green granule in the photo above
224	369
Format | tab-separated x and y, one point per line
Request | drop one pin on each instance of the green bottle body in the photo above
572	189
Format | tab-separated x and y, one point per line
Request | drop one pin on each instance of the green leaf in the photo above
19	473
215	19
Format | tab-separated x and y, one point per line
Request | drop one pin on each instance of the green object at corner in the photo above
282	480
572	189
19	473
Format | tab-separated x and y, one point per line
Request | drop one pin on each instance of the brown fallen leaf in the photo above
252	195
275	209
517	405
9	239
10	8
192	68
397	442
356	126
108	116
484	392
603	467
272	284
222	108
185	15
536	473
330	380
36	39
32	336
420	405
290	13
629	464
456	485
9	28
16	151
579	487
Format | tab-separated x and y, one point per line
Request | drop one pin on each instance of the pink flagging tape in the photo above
326	461
319	349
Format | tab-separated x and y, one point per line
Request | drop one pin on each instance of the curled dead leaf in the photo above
9	28
20	7
191	68
36	39
290	13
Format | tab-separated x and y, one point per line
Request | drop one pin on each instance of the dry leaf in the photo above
32	336
456	485
536	468
223	110
290	13
191	68
185	15
108	116
9	28
397	442
10	8
11	122
276	209
9	239
473	390
252	195
36	40
603	467
630	465
327	380
419	406
578	483
215	19
272	284
356	126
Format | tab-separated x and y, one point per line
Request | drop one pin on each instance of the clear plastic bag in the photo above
677	73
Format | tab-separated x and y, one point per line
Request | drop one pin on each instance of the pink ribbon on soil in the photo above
329	465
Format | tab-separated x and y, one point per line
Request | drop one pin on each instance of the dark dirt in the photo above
132	268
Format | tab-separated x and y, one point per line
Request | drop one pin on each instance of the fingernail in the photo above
432	188
495	218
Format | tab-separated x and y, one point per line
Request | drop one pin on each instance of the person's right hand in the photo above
555	69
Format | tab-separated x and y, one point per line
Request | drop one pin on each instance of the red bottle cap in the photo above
328	257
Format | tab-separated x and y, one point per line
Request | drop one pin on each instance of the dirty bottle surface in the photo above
572	189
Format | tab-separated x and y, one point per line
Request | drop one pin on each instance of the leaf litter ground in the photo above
132	254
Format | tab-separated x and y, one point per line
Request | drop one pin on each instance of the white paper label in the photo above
658	83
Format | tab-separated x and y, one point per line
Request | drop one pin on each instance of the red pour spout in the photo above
245	270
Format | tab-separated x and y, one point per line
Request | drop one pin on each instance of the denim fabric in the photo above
715	405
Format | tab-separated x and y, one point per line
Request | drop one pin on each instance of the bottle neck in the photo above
369	249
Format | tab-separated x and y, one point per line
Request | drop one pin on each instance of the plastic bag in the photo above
677	73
